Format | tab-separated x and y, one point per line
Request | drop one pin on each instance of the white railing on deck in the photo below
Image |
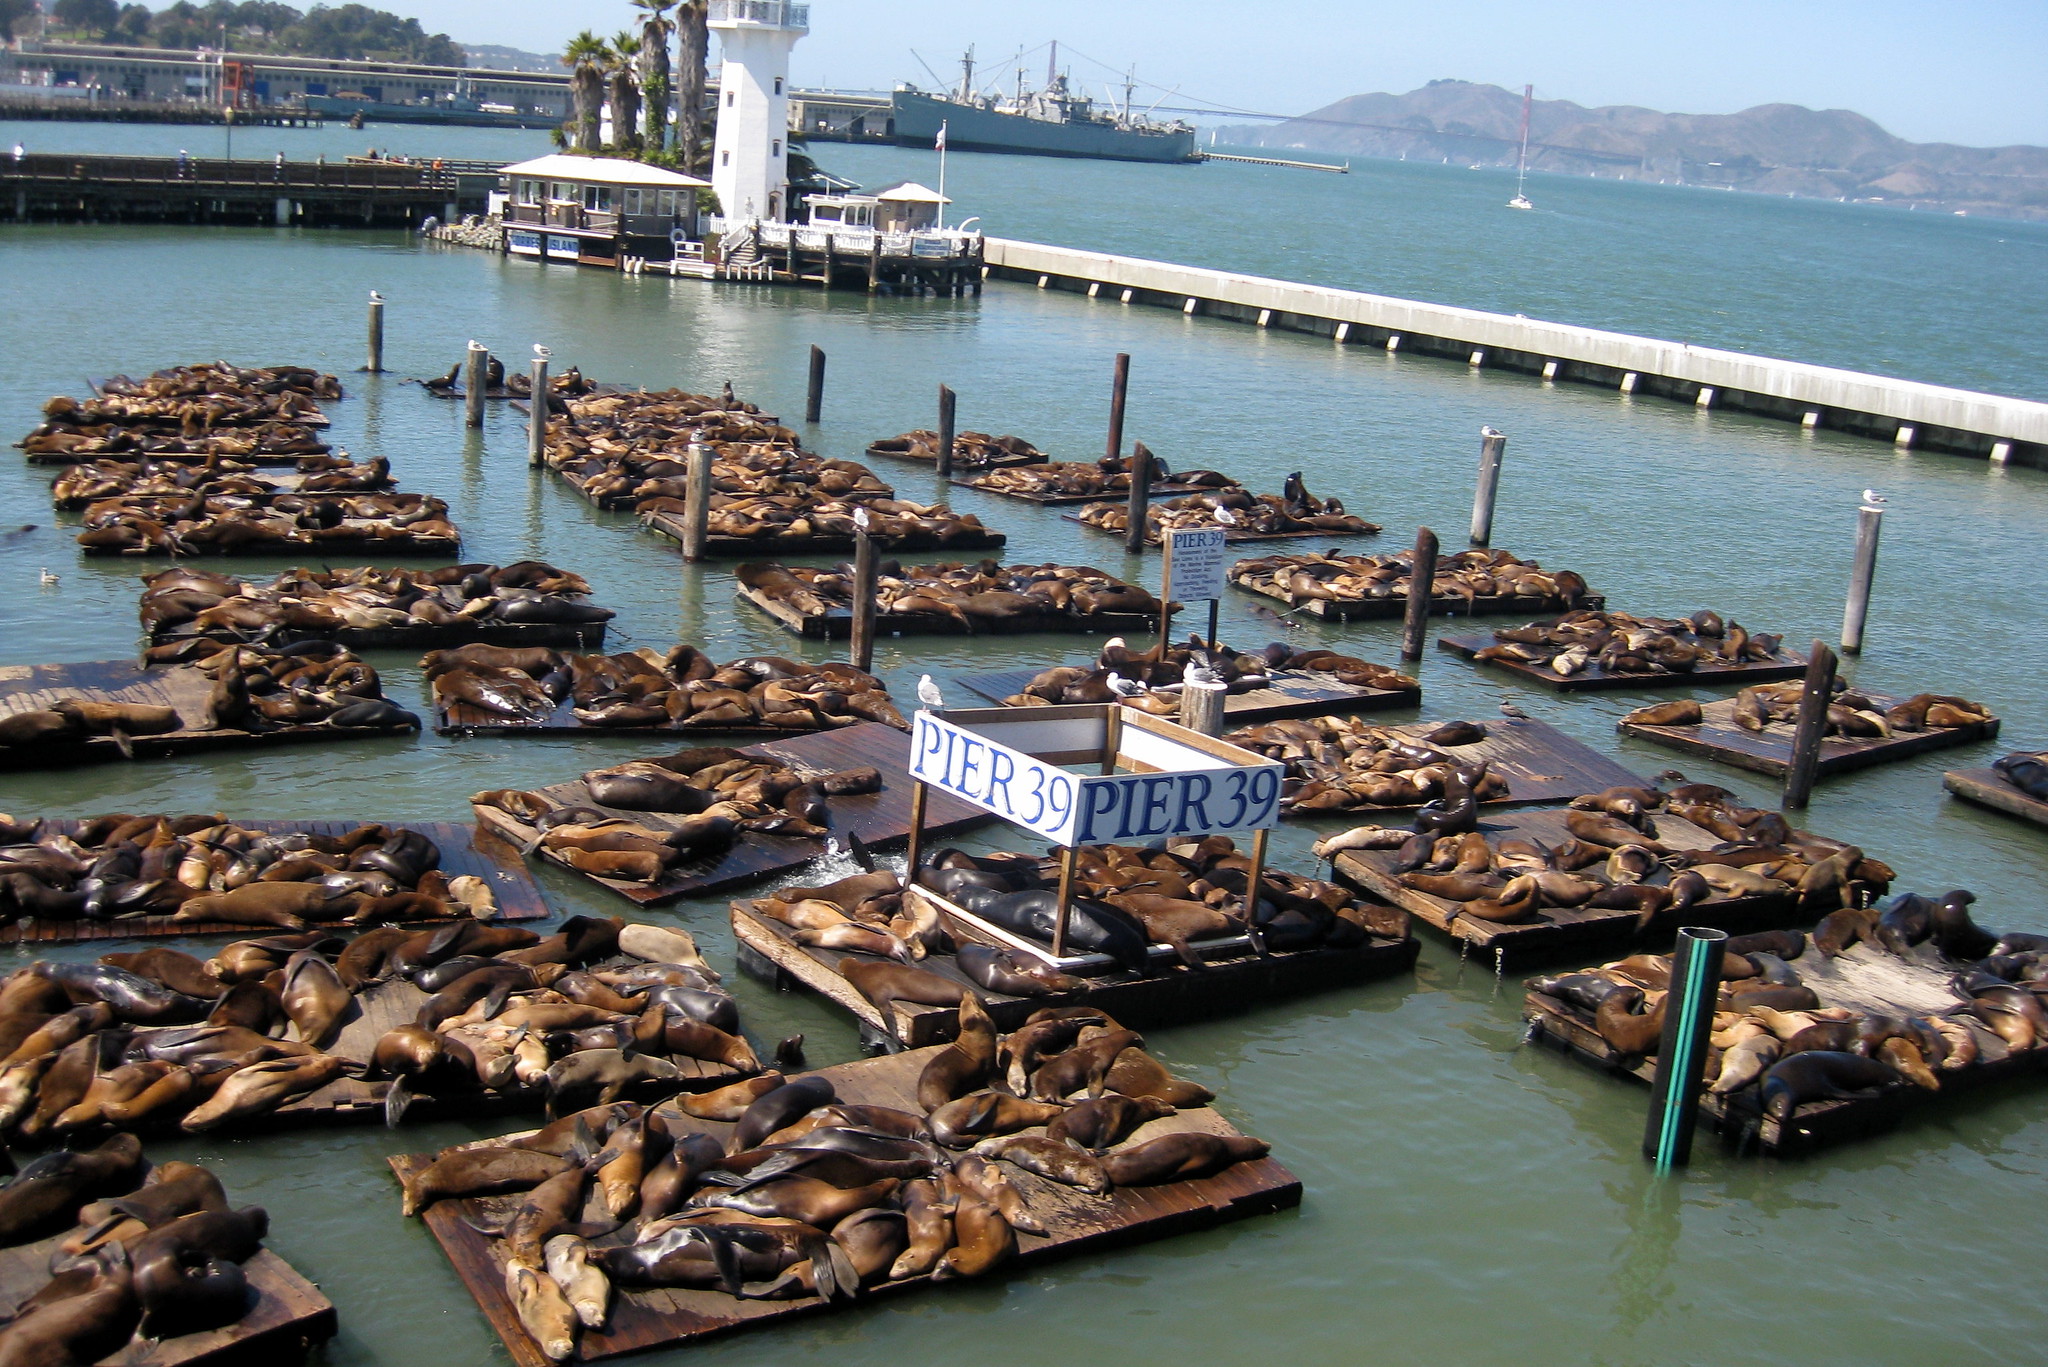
775	13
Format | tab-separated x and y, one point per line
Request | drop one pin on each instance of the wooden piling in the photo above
1120	381
1201	707
1421	577
947	400
697	502
1492	446
825	274
814	398
474	380
863	636
376	365
1810	728
1869	524
537	416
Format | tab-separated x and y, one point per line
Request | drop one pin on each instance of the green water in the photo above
1468	1200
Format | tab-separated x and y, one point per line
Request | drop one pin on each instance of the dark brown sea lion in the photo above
983	1240
1679	712
1013	975
1821	1076
963	1123
595	1077
1137	1074
1626	1031
1181	1157
887	984
50	1190
1106	1121
1085	1066
314	997
966	1064
178	971
803	1199
79	1329
778	1108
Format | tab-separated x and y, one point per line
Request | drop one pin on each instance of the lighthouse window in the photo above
778	85
730	96
778	148
725	158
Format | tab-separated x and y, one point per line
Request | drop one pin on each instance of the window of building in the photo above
562	192
778	148
725	158
668	204
529	191
730	96
597	199
778	85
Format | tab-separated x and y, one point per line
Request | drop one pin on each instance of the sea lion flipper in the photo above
397	1098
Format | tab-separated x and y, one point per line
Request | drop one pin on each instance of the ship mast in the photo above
1052	64
967	76
1521	201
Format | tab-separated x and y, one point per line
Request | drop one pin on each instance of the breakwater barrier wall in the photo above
1900	411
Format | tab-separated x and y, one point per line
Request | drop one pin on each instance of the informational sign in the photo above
522	244
1195	562
1216	798
566	247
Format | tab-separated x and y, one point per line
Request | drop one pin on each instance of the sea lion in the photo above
49	1191
314	997
1050	1159
1104	1122
1085	1066
595	1077
1181	1157
261	1088
983	1240
83	1328
729	1102
1137	1074
661	944
543	1310
1746	1062
587	1289
963	1123
776	1109
1679	712
1626	1030
185	1294
964	1065
1822	1075
886	984
804	1199
177	971
266	904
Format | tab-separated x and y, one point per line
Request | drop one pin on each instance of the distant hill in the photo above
512	59
1771	149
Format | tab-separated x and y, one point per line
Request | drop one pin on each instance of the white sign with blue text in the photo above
1196	558
1210	796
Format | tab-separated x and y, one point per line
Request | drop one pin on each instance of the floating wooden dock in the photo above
836	624
32	688
1232	979
1561	930
1157	492
729	547
1396	605
880	819
286	1317
646	1319
467	719
1865	979
1009	460
465	849
266	459
333	548
1785	664
1770	751
426	636
1292	693
1541	764
1989	788
1231	535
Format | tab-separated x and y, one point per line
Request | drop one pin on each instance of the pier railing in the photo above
189	173
930	243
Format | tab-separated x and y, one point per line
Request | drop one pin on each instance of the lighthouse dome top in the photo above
780	14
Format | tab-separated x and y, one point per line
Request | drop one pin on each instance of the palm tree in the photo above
585	59
622	59
655	30
691	154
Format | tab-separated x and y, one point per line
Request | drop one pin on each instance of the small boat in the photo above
1521	201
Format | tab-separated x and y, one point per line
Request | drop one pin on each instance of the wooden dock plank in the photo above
1396	605
1561	930
880	819
465	849
836	623
1770	751
1231	535
1292	693
1787	665
29	688
731	547
1989	788
1075	1222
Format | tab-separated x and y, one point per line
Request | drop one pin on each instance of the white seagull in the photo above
928	693
1122	687
1226	517
1508	709
1873	496
48	578
861	519
1199	670
541	353
1488	430
376	298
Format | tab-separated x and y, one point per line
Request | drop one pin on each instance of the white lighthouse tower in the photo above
749	158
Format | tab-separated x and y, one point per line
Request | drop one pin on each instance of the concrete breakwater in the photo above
1901	411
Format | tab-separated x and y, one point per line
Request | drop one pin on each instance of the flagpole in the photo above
942	173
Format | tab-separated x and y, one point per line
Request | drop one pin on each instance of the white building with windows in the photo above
595	209
750	155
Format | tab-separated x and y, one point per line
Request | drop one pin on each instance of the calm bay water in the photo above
1469	1200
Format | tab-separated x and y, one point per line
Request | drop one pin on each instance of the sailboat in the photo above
1521	201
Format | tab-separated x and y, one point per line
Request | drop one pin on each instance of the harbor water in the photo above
1468	1199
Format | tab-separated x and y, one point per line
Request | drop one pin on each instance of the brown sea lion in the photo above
886	984
314	997
1137	1074
1103	1122
729	1102
1181	1157
964	1065
178	971
983	1240
963	1123
1050	1159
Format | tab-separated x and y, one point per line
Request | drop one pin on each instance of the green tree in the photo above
133	25
655	31
94	17
584	56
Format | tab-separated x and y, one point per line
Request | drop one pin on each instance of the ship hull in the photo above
917	120
373	111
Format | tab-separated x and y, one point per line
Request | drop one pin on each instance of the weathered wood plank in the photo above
1789	665
730	547
1989	788
1770	751
1292	693
836	624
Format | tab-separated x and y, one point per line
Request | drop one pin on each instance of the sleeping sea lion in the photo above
1181	1157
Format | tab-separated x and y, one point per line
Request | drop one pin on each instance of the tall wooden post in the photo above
376	365
863	640
697	501
1257	876
1068	860
1139	499
1811	726
1120	382
1869	524
946	400
814	398
913	852
473	382
1421	579
1682	1054
1492	446
537	415
825	275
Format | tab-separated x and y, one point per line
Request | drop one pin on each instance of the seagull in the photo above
928	693
48	578
1226	517
1508	709
1490	431
1873	496
1200	670
541	353
376	298
1122	687
861	519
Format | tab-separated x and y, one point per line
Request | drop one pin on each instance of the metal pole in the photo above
946	399
1059	926
1421	579
863	644
537	416
1492	446
1869	523
1811	726
914	851
376	365
473	385
1140	498
697	501
1682	1054
1215	610
814	400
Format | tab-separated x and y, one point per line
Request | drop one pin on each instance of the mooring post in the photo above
1492	446
1201	707
814	399
1139	500
697	501
473	384
537	415
1869	523
946	402
1682	1054
863	640
1120	381
1421	580
1811	726
376	365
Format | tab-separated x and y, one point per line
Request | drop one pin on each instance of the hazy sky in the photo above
1965	71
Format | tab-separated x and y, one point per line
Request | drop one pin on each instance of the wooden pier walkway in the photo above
61	187
1769	751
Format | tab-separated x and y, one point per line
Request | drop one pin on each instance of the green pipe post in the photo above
1682	1054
